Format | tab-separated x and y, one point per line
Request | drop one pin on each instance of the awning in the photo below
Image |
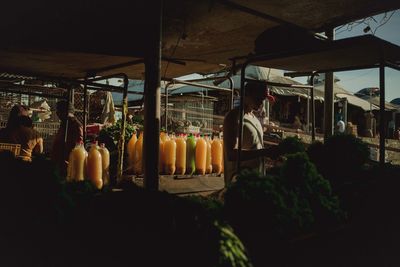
375	101
71	38
359	102
345	54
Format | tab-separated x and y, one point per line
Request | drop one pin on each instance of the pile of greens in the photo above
297	201
341	159
114	131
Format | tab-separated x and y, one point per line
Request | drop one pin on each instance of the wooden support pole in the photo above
312	109
152	105
329	96
85	112
121	142
382	115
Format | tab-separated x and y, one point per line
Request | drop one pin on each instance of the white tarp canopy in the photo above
356	101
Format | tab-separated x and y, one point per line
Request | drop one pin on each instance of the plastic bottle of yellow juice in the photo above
138	155
76	165
131	152
170	156
216	155
180	155
208	157
105	163
94	166
201	156
223	153
163	137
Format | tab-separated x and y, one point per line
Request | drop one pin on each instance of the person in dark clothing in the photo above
12	121
29	139
65	141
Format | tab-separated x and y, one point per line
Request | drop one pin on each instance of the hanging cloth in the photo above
108	113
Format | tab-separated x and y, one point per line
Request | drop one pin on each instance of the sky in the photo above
354	81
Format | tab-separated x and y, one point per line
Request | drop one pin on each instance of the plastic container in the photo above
201	156
105	163
223	152
190	155
94	166
170	156
138	155
77	163
131	152
163	138
208	157
216	155
180	156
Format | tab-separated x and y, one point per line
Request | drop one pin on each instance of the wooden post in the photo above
121	141
312	109
382	115
329	96
85	111
152	105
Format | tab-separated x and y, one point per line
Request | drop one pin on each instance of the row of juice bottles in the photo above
180	155
93	165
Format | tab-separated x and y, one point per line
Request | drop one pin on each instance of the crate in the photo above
47	131
14	148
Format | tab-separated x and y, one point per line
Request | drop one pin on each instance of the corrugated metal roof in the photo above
375	101
8	76
356	101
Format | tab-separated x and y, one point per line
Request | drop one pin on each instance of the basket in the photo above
14	148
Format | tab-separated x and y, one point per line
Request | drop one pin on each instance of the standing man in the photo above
65	141
341	127
253	151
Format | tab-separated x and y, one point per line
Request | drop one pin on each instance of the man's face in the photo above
256	99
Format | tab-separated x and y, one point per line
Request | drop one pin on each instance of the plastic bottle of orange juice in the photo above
190	155
201	156
223	153
160	157
105	163
170	156
208	157
180	155
70	175
94	166
163	137
131	151
138	155
76	166
216	155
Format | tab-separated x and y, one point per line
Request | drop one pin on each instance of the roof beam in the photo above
256	13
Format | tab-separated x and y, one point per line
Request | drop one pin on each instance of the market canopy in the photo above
350	53
73	38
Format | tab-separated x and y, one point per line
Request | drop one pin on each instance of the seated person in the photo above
253	151
297	123
16	111
65	141
349	128
29	139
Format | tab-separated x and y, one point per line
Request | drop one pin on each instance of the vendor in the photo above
65	141
29	139
12	121
253	151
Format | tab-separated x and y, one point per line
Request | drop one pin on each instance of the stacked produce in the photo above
94	166
179	155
